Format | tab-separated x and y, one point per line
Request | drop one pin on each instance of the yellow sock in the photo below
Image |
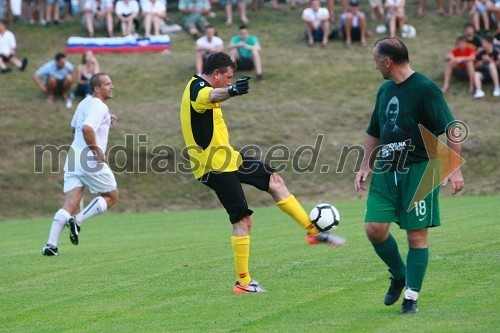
241	251
293	208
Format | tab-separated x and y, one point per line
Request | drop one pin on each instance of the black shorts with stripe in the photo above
227	186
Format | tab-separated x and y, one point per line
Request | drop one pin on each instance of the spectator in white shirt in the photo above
317	23
153	11
127	12
8	50
100	11
206	45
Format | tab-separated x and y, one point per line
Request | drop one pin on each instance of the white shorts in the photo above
96	182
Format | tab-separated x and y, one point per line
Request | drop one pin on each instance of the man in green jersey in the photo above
396	154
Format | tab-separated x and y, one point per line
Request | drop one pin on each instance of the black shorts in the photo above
227	186
6	58
244	64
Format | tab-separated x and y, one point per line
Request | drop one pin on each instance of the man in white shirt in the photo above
8	50
317	23
100	11
206	45
86	164
57	79
127	12
153	11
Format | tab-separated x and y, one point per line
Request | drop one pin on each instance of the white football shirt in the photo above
94	113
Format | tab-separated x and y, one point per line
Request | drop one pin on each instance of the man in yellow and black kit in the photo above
216	164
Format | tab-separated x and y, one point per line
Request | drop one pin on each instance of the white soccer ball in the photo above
408	31
324	217
381	29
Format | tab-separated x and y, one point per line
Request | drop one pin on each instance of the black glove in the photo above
240	87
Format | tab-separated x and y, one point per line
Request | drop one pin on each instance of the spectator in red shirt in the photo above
460	62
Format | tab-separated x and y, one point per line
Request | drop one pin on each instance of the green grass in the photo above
307	92
170	272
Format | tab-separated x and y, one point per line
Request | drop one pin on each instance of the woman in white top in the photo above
153	11
127	12
395	15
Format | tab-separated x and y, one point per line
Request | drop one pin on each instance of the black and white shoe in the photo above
395	289
409	306
74	230
50	250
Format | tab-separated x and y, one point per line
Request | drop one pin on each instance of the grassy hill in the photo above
308	92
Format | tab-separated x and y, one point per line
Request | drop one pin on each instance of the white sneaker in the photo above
479	94
69	104
496	92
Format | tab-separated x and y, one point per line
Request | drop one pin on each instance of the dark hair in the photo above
468	24
461	39
218	60
95	80
59	56
487	38
394	49
3	21
243	26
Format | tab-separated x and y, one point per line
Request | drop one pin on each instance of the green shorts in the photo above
392	192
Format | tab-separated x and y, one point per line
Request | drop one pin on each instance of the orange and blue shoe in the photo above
252	287
327	238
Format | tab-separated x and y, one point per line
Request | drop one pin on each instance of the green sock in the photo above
388	251
417	263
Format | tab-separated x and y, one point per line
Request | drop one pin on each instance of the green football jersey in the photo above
398	111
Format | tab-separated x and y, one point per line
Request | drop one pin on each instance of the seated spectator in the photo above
153	11
460	62
470	35
98	11
317	23
194	14
245	52
206	45
57	78
127	12
396	16
479	12
8	50
52	11
84	72
376	8
242	6
34	7
487	61
353	24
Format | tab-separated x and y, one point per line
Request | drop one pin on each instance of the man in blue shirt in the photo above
57	78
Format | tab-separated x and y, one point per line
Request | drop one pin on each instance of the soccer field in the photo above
170	272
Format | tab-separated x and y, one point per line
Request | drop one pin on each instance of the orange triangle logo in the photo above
443	161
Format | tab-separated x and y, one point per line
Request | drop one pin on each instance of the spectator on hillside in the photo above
396	16
460	62
206	45
127	12
470	35
479	13
440	3
242	7
353	25
100	12
245	52
88	67
194	14
52	11
32	7
317	23
376	8
57	78
153	11
8	50
487	61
